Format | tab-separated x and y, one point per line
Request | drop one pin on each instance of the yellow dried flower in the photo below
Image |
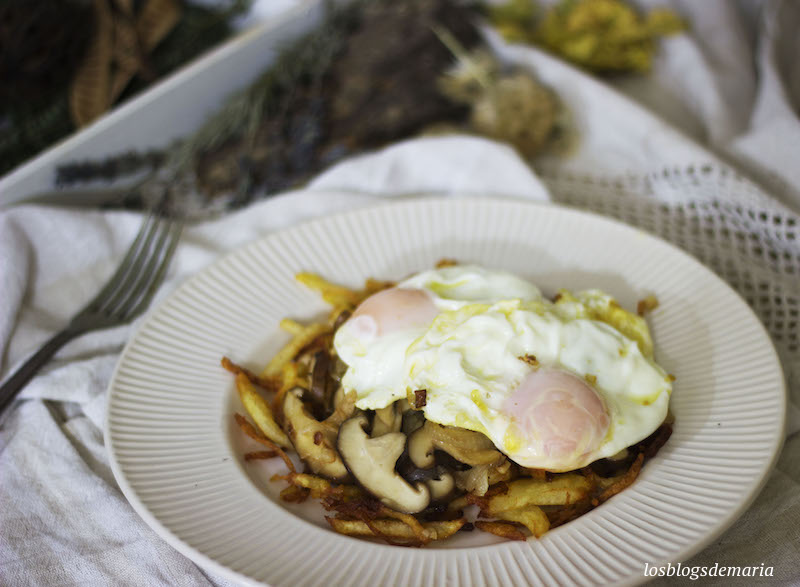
517	110
599	35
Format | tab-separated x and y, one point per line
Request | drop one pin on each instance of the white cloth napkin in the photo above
63	519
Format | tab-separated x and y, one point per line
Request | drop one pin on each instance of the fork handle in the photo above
29	368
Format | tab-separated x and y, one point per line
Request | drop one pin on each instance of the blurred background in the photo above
723	72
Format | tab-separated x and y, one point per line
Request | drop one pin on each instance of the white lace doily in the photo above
723	220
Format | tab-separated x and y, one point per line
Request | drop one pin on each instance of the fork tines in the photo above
130	289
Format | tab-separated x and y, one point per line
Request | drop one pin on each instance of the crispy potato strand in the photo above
295	494
293	327
251	431
267	383
532	517
502	529
258	409
321	488
369	509
259	455
335	295
392	530
624	481
292	348
288	379
568	513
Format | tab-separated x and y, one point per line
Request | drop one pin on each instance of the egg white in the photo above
469	360
376	370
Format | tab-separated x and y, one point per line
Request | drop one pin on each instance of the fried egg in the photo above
374	341
554	385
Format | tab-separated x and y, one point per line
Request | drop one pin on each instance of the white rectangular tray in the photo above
170	109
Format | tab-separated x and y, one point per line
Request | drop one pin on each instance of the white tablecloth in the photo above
64	521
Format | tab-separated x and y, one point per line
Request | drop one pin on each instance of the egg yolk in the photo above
392	310
559	413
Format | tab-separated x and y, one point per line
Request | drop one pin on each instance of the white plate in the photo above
175	451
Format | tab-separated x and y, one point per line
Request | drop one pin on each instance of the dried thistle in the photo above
506	104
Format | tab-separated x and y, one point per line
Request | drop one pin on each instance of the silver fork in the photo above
124	297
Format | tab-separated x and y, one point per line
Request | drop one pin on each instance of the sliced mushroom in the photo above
372	462
615	464
321	388
344	406
466	446
479	478
313	440
441	487
412	421
403	406
447	461
439	479
321	382
388	419
338	369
